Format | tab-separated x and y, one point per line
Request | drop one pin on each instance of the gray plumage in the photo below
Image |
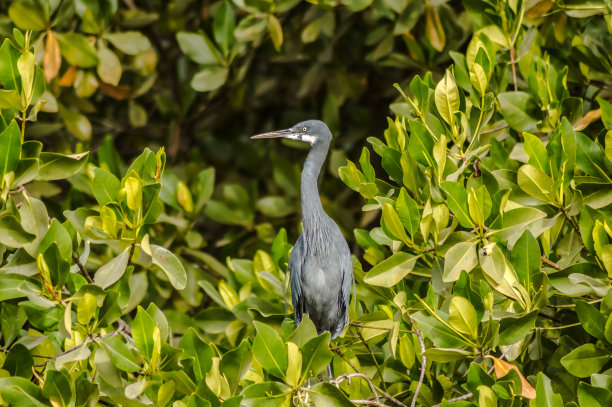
320	266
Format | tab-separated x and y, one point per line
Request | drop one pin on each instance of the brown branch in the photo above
368	402
417	332
7	211
84	272
551	263
375	394
460	398
130	255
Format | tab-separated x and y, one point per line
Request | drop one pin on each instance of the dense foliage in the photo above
480	213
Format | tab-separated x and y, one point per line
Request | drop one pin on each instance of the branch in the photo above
122	327
382	380
417	332
460	398
82	268
375	401
551	263
131	254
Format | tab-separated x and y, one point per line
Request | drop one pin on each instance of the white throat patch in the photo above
303	137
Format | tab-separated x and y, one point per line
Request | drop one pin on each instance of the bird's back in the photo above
321	277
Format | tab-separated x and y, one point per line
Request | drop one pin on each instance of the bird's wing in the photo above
295	277
344	298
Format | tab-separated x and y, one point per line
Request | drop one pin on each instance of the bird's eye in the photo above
304	128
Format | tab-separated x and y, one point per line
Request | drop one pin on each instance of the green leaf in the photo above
327	395
516	107
275	206
142	333
195	348
170	265
408	212
78	50
109	69
10	99
392	225
224	24
526	258
121	356
538	157
462	316
236	363
391	271
585	360
76	123
420	145
198	48
276	32
514	329
458	203
86	309
269	350
209	78
59	166
545	397
447	98
105	186
461	257
593	396
57	234
590	157
438	333
486	397
112	271
591	319
29	15
19	361
535	183
59	388
129	42
493	263
10	149
446	355
9	75
12	234
315	355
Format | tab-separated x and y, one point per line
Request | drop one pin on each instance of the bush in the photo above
483	253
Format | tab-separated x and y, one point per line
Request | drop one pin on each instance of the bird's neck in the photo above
312	210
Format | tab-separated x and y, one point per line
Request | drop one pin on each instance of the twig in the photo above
545	328
417	332
7	211
551	263
512	62
460	398
131	254
368	402
122	327
493	130
381	328
383	393
382	379
82	268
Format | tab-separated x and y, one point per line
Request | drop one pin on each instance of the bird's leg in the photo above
330	378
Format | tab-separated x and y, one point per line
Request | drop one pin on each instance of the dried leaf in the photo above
502	368
588	118
52	59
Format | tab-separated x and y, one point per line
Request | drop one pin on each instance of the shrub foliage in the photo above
481	216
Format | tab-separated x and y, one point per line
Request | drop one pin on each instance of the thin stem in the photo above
547	328
551	263
23	122
476	132
382	380
84	272
372	386
417	332
512	62
460	398
382	328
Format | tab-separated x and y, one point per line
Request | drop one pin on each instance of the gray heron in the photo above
320	266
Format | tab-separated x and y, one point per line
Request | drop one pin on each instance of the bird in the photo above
320	265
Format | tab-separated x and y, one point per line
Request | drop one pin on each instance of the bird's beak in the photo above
274	134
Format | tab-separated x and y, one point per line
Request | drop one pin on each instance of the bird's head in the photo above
311	131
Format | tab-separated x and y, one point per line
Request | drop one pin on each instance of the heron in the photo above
320	266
